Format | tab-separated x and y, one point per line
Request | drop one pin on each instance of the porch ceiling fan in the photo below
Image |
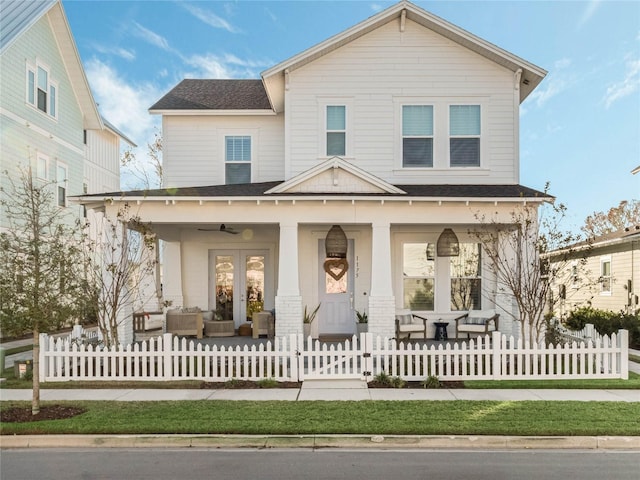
223	228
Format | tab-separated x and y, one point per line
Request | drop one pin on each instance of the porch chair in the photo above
477	321
406	324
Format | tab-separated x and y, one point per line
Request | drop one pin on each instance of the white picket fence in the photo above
493	357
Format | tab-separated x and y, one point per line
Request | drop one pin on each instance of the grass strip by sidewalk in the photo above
344	417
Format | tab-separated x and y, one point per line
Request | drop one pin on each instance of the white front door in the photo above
237	283
336	315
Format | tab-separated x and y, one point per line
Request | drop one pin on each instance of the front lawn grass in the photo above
344	417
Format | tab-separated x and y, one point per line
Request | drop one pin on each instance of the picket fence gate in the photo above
291	358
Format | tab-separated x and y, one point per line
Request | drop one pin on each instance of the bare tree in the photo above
41	267
119	259
148	175
626	214
517	253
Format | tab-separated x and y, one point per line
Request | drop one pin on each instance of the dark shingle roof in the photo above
191	94
259	189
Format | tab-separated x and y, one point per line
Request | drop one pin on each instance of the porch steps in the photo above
342	383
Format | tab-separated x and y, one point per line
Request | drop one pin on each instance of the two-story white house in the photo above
398	131
48	117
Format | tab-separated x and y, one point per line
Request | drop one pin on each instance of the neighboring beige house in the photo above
48	118
608	278
398	130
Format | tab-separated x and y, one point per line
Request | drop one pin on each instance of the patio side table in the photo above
441	331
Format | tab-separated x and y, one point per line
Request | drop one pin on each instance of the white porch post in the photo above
381	298
288	298
172	278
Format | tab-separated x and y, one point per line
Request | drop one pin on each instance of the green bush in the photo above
606	322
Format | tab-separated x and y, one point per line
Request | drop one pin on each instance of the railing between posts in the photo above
290	358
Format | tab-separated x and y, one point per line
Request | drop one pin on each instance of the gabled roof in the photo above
258	191
209	95
531	75
338	183
16	17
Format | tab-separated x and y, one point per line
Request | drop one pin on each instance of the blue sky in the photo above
580	129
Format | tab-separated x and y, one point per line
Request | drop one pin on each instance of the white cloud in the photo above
553	86
376	7
271	15
128	55
589	12
210	18
224	66
125	105
151	37
627	86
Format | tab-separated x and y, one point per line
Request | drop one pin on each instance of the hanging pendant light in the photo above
448	245
336	243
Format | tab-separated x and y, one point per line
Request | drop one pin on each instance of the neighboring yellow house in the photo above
608	278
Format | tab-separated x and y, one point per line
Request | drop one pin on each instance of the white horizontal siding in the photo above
102	162
377	70
194	150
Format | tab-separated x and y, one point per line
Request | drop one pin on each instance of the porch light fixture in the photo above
448	245
335	243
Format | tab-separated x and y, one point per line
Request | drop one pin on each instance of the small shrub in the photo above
383	379
431	382
606	322
397	382
232	383
268	383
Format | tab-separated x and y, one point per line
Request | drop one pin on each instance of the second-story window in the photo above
42	167
237	159
464	135
336	130
41	90
417	136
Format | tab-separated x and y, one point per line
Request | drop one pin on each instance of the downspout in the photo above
516	124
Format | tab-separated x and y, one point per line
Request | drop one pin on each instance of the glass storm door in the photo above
336	315
238	284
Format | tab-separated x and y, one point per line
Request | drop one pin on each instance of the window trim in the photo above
249	162
603	260
45	158
432	136
478	136
347	103
31	91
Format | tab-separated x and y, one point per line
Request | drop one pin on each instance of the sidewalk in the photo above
325	390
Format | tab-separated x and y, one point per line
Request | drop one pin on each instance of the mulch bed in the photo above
375	384
246	385
49	412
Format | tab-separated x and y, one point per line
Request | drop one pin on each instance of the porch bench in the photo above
406	324
477	322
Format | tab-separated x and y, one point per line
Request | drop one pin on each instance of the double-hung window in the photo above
417	136
466	275
41	90
237	159
418	273
61	180
336	130
605	276
464	135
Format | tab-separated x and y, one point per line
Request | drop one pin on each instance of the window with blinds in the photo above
237	159
417	136
464	135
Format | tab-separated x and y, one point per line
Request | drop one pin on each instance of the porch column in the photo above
288	298
172	278
381	298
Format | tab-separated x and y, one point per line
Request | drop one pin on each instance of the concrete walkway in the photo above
328	390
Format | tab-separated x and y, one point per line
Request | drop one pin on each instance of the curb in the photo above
469	442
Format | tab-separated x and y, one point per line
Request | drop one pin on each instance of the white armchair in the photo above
408	323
